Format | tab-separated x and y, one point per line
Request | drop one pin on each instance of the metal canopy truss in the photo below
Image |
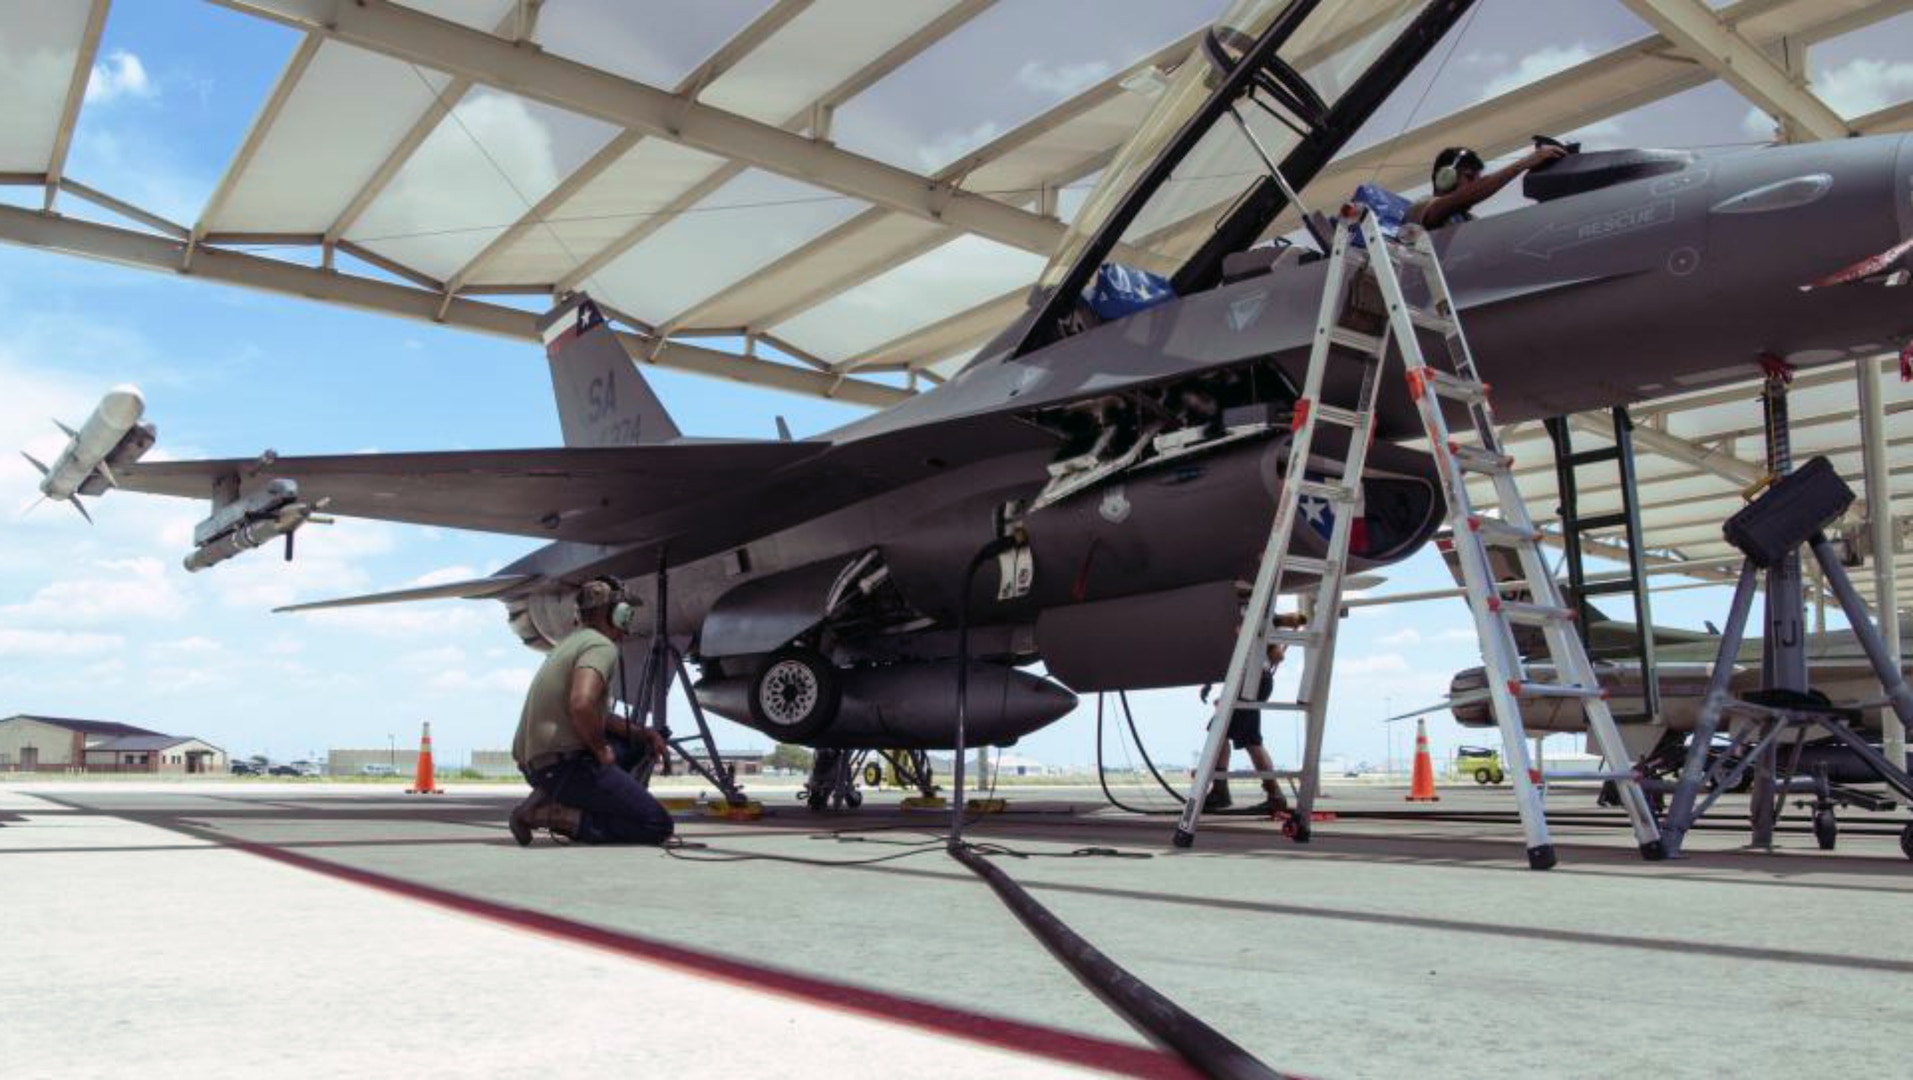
724	196
726	201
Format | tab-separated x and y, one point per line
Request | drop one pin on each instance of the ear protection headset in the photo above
608	592
1448	166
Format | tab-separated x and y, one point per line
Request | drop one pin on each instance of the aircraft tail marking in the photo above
603	400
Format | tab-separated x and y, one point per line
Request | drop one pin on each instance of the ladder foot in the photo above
1297	829
1185	838
1541	858
1654	851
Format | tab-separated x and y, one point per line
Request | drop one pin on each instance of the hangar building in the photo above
60	744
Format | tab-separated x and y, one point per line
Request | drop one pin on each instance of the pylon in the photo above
1421	787
423	782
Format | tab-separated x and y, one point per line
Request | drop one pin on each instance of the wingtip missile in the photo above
113	435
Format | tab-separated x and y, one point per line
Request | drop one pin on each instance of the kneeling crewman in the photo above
579	790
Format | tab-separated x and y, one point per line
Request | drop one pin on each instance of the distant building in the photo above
61	744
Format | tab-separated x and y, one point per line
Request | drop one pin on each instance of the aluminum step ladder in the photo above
1508	683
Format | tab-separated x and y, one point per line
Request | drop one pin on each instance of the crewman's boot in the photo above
520	821
1273	801
1218	798
561	820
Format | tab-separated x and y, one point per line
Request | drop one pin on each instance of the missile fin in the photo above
70	433
77	505
35	462
111	480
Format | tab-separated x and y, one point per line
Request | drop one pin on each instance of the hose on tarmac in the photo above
1162	1020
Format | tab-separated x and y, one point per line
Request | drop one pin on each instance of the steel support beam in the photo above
813	116
737	48
68	236
1700	33
295	70
752	293
75	98
408	35
1721	464
1879	496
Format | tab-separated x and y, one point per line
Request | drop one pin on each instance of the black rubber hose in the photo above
1102	778
1211	1052
1208	1050
1136	737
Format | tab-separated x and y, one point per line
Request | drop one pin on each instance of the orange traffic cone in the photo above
1421	787
423	782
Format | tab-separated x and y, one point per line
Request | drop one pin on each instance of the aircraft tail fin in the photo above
603	400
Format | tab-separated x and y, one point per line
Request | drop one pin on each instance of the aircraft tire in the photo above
794	694
1826	831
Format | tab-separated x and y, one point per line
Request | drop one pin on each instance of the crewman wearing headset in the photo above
1460	183
579	791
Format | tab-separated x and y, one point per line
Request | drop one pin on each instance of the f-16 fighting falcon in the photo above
1118	448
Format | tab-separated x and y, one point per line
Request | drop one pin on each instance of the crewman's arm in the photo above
585	704
1437	210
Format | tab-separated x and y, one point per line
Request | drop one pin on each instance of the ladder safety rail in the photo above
1432	309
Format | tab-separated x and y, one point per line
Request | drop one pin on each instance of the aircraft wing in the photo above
603	495
475	589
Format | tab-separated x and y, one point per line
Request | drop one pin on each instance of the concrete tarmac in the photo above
214	928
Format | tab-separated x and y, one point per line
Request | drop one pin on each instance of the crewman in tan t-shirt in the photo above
578	790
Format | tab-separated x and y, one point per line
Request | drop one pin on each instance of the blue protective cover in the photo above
1120	291
1390	209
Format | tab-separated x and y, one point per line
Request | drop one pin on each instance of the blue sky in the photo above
103	622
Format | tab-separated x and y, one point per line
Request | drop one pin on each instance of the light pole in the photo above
392	751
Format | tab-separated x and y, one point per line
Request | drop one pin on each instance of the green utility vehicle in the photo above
1481	763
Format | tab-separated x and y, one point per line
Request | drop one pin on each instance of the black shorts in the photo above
1245	725
1245	728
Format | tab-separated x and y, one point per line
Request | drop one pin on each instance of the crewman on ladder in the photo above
1245	733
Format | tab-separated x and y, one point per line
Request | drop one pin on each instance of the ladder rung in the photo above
1608	588
1304	564
1479	459
1454	387
1500	533
1407	253
1285	636
1260	774
1340	494
1593	457
1599	521
1366	344
1530	614
1337	415
1273	706
1430	320
1553	690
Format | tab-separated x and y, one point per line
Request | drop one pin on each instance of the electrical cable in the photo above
1102	778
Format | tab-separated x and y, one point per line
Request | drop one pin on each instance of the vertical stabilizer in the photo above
602	398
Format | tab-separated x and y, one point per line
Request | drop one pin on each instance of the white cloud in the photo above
503	680
120	75
57	643
444	575
125	591
195	645
1861	86
951	145
1379	664
1407	635
1061	80
1535	66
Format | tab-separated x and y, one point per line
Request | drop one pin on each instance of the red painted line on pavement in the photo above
1068	1047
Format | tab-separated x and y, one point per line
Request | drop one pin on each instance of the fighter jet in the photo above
1115	454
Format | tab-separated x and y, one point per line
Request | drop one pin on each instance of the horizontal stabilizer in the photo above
476	589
